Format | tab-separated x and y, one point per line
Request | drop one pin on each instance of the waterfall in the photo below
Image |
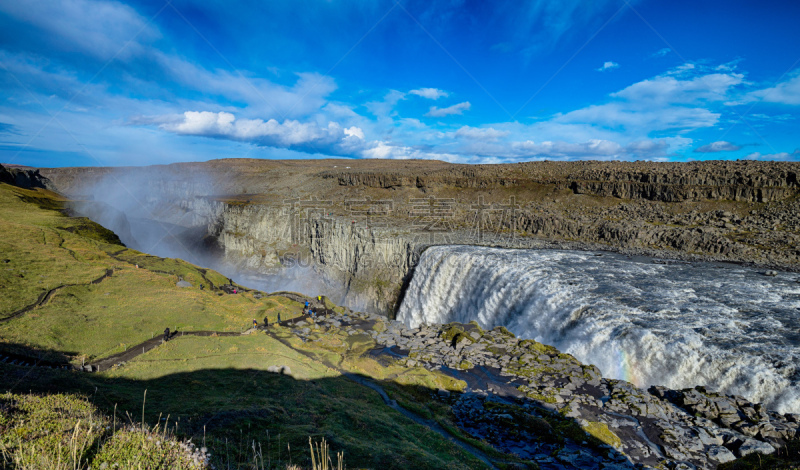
726	327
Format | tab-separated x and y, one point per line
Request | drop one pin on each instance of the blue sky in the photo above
98	82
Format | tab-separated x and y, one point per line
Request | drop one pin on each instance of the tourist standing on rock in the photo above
166	334
266	322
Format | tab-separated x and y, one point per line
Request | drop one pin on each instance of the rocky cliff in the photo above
360	266
360	223
667	182
27	178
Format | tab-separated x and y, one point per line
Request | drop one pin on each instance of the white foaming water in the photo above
726	327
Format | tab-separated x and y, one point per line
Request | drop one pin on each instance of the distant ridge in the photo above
24	177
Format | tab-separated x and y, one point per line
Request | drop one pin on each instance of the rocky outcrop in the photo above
673	182
525	382
529	400
682	192
667	182
26	178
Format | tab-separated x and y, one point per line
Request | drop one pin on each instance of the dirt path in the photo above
142	348
371	384
45	297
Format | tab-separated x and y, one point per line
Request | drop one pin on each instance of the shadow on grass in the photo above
240	413
247	414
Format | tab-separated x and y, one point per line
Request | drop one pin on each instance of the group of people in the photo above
307	310
266	321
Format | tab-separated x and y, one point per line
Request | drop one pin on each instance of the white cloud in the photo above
786	92
538	25
662	52
354	132
596	149
631	118
385	108
667	89
765	117
677	101
719	146
99	28
430	93
608	66
593	148
401	152
781	156
263	97
476	133
455	109
330	139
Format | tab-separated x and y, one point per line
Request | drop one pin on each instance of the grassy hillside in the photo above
45	251
69	291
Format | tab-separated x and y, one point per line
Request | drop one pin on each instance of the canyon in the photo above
358	227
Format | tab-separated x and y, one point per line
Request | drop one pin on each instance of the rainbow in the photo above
628	368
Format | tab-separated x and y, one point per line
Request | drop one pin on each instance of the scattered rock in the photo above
751	446
720	454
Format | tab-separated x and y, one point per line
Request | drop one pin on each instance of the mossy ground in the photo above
215	390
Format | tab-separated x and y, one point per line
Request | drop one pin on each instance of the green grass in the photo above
43	249
65	432
215	390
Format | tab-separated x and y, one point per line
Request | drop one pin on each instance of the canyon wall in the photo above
360	225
